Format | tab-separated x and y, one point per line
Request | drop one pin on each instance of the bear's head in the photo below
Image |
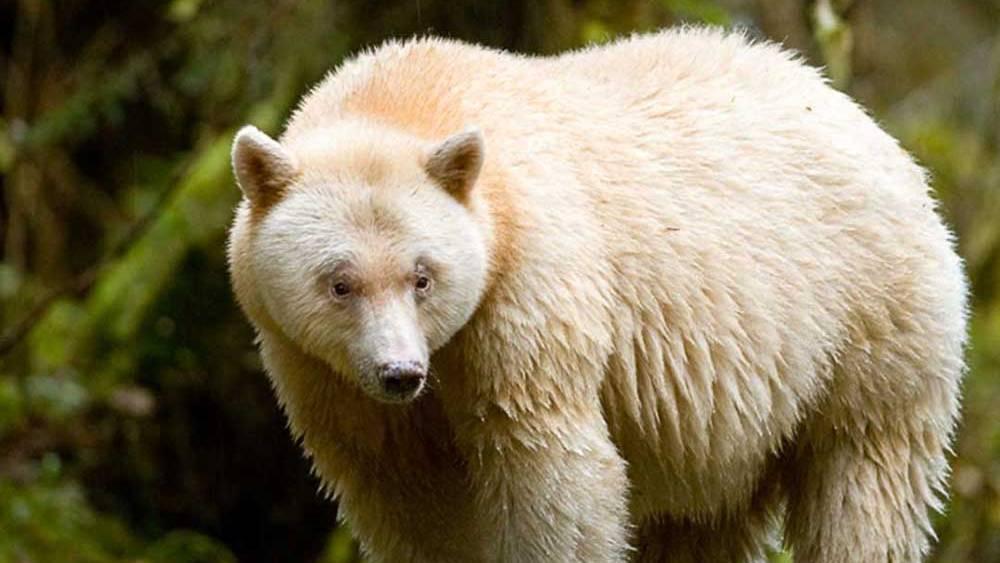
362	245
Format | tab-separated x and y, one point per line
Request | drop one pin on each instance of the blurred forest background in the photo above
135	420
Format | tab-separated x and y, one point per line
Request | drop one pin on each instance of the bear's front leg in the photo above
549	484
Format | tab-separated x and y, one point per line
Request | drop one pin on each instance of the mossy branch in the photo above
196	213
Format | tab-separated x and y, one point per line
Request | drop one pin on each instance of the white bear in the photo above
640	301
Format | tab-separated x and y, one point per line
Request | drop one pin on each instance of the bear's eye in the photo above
423	284
340	290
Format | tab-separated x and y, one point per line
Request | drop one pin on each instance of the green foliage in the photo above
835	39
50	520
184	545
12	405
341	548
56	399
699	11
780	557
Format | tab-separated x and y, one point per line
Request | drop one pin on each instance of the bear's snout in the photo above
402	380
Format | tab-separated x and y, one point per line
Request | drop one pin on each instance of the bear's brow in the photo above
342	263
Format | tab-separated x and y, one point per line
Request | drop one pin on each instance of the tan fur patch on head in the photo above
357	151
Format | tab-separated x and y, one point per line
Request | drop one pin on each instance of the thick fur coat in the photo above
666	294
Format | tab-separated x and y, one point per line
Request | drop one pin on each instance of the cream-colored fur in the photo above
692	289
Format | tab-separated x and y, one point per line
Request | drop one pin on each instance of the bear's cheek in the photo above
444	315
310	322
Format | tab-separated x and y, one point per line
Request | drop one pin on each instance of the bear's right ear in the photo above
455	162
263	168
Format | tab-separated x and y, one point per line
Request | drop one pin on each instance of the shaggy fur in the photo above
682	288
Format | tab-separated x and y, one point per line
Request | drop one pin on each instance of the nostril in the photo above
401	379
402	385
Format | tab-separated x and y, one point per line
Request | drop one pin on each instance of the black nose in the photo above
402	379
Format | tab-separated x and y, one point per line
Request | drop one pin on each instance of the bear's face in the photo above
369	271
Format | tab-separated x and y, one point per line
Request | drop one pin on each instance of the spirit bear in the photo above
661	300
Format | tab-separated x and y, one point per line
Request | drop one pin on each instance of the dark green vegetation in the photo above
135	422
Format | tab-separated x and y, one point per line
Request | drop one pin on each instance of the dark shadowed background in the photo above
135	420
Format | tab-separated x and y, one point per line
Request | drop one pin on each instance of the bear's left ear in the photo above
455	162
